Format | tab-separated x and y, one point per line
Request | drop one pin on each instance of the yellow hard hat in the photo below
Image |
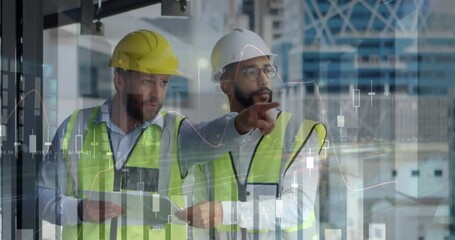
145	51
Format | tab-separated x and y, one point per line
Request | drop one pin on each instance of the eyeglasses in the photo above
253	72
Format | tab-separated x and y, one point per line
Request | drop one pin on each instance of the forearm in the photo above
204	142
57	208
54	206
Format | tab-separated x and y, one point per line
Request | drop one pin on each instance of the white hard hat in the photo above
236	46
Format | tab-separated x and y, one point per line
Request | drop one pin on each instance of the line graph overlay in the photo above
330	138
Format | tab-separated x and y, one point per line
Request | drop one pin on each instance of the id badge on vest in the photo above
140	179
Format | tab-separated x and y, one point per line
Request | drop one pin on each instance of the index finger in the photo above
268	123
264	107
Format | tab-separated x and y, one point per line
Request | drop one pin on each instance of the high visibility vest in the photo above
96	172
266	169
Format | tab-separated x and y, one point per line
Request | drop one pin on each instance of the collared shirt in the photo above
198	143
121	142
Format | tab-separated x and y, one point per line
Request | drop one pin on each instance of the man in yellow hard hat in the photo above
128	144
266	187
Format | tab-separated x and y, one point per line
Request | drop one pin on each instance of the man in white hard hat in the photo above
128	144
266	187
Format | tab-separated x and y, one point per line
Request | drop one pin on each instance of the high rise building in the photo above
369	50
399	43
381	69
265	17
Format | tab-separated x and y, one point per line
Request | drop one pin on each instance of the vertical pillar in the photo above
21	115
32	117
9	119
451	118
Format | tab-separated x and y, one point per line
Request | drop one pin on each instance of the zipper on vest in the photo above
241	188
118	174
254	153
245	184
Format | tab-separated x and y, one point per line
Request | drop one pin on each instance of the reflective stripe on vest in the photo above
96	172
71	146
266	168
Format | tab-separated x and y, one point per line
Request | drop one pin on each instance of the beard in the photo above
135	107
249	100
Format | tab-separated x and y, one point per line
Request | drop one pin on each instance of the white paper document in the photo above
140	208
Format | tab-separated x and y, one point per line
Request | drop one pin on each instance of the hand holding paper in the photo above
137	208
203	214
98	211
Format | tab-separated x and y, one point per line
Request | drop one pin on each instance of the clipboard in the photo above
140	208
